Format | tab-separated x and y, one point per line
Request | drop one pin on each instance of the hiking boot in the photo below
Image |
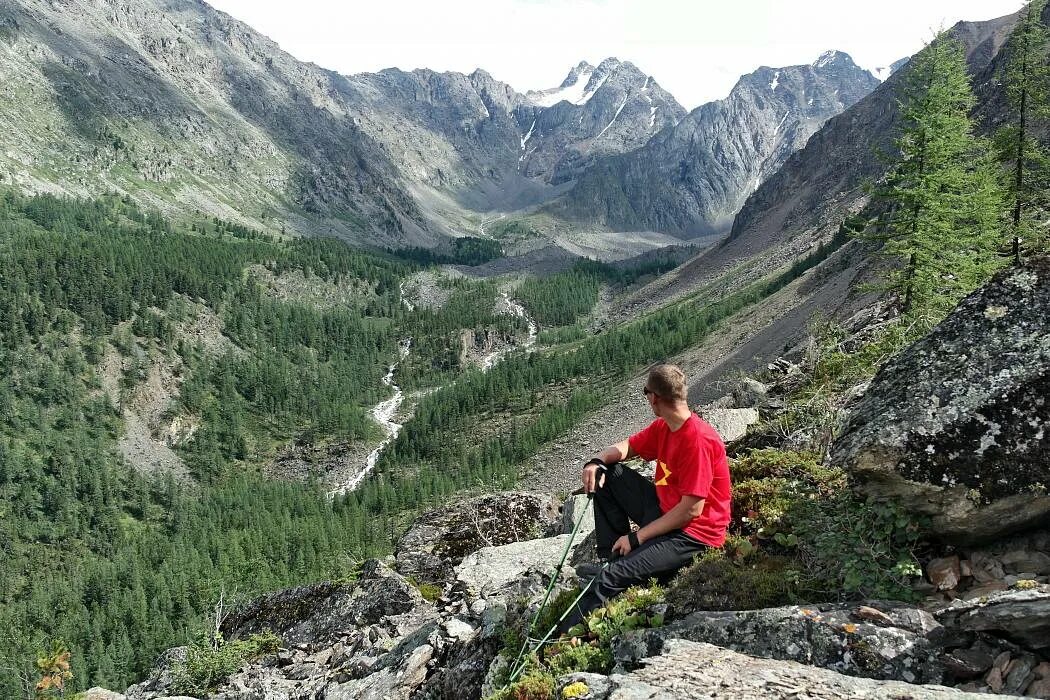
590	569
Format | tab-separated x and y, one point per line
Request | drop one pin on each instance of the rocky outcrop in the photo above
694	177
432	548
886	643
686	669
957	427
1022	615
322	614
377	638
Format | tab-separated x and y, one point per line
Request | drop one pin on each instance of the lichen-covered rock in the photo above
432	548
685	669
320	614
837	639
957	426
1020	615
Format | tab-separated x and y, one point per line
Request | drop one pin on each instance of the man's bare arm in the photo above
610	455
678	517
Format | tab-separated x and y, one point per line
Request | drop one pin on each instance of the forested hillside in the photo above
119	564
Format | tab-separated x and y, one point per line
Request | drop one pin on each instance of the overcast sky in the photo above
696	49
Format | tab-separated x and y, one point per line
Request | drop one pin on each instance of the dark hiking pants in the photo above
625	496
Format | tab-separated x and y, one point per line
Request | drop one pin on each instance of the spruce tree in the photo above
942	197
1027	83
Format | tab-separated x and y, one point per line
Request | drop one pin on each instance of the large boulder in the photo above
685	669
890	643
436	543
491	572
957	426
319	615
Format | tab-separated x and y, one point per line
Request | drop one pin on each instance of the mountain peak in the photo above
580	69
833	57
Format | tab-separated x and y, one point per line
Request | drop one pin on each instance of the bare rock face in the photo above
957	427
694	176
430	551
687	669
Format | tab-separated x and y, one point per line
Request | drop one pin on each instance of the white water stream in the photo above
384	412
516	309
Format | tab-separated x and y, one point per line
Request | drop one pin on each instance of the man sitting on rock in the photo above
683	513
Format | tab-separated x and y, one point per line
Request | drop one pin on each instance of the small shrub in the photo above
207	665
535	684
865	548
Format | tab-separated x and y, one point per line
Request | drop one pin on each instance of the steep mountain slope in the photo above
189	109
817	187
693	178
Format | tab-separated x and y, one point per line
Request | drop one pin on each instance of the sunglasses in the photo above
646	391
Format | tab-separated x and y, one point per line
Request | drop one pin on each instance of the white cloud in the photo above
696	49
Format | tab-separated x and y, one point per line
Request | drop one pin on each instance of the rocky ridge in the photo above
693	178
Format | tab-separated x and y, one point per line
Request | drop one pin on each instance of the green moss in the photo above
535	684
721	581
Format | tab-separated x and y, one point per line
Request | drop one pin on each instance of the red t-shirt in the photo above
690	461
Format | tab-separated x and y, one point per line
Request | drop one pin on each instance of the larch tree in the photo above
943	201
1027	83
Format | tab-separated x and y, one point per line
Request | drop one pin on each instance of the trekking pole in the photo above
519	668
554	579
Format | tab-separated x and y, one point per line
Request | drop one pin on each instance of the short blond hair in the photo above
668	382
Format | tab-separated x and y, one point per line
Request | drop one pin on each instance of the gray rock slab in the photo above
1021	615
437	543
731	423
698	670
838	639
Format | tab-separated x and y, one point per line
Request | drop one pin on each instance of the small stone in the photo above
1002	661
1019	675
964	568
872	615
984	590
322	657
101	694
1042	670
994	679
986	568
459	630
1023	560
300	672
970	663
944	573
1039	689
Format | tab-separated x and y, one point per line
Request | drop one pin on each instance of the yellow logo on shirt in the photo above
662	472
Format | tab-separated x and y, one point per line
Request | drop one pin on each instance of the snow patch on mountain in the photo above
578	92
776	81
620	109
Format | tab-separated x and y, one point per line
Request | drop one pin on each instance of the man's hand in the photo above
622	546
591	480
